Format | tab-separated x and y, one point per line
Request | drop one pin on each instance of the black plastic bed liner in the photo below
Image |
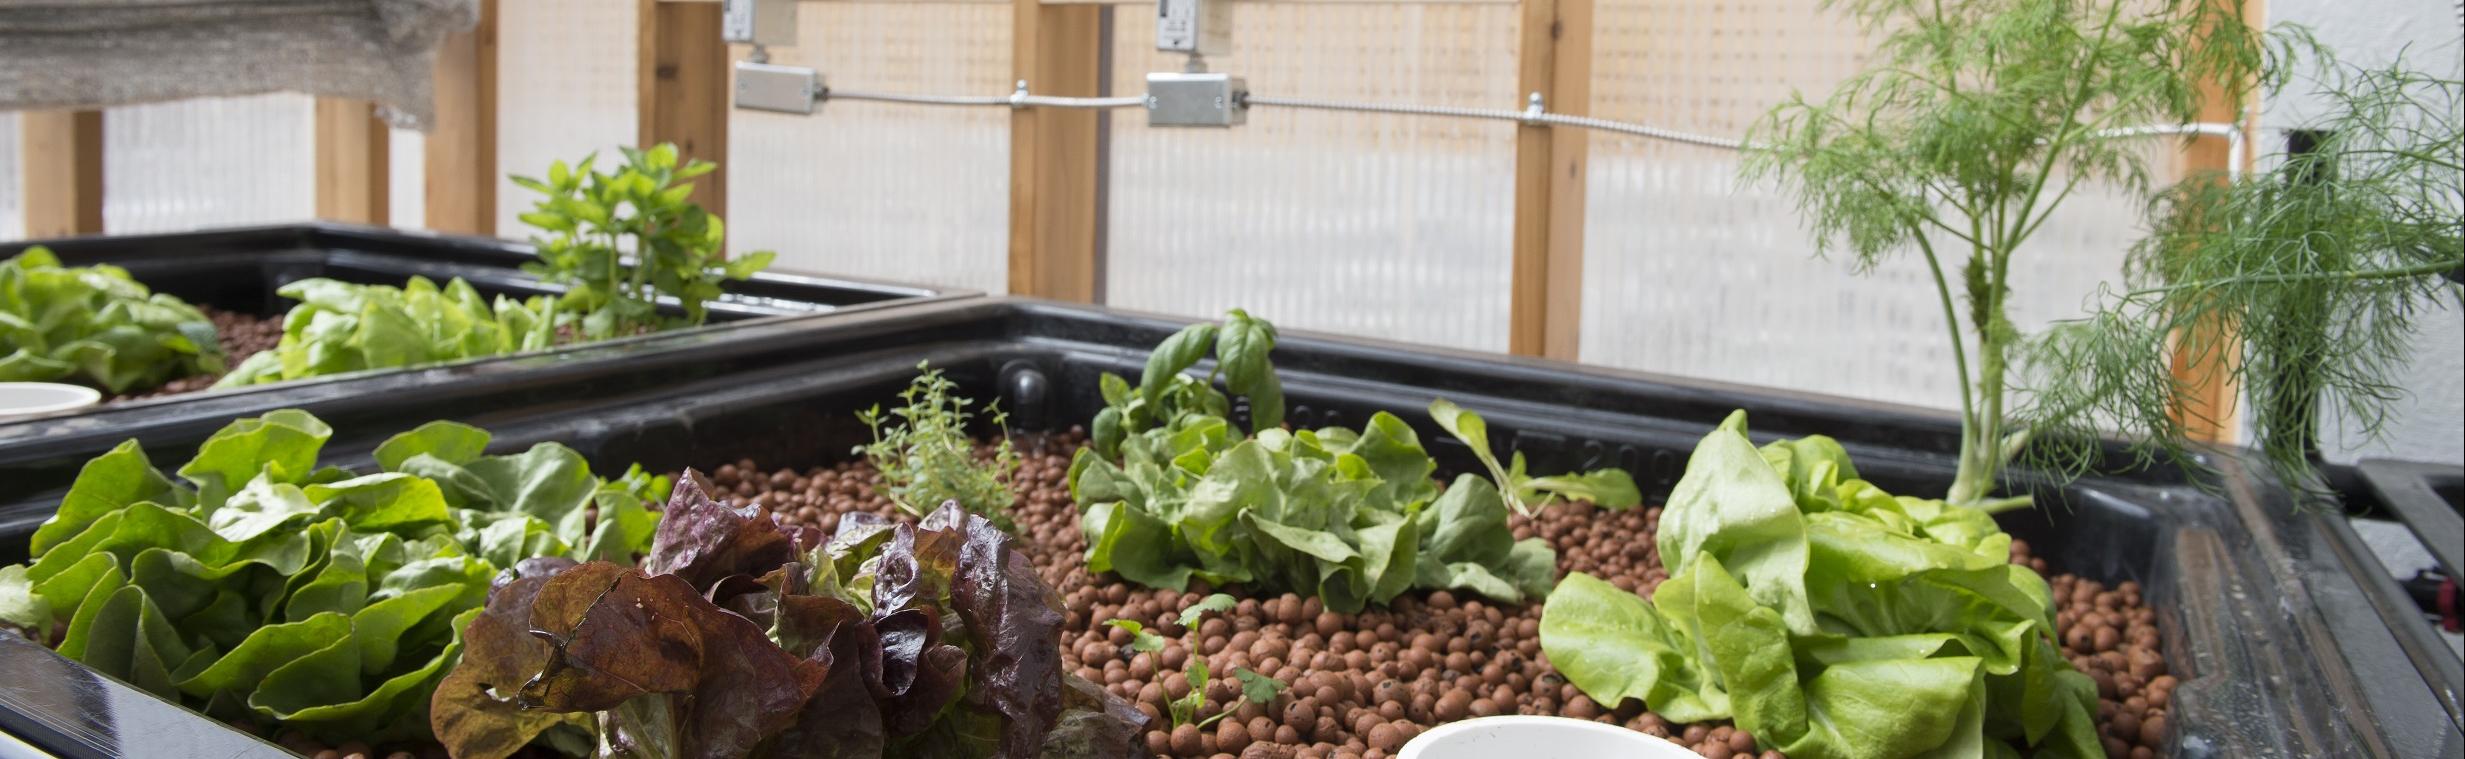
239	270
2264	621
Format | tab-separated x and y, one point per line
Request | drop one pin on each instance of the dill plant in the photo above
2303	282
926	455
1970	124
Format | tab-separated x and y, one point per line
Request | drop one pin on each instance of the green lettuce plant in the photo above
1828	618
254	582
95	325
1171	490
341	327
620	240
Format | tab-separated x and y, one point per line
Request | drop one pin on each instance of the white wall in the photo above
2429	423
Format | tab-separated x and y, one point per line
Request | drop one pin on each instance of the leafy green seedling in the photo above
1255	688
1609	488
621	240
1164	393
1141	640
1217	603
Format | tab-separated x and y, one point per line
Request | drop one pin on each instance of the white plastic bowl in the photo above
24	399
1525	737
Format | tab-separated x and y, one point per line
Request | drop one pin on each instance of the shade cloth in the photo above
96	53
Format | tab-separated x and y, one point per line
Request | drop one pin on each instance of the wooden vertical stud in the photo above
1546	307
1054	161
61	159
2209	412
684	89
461	148
354	159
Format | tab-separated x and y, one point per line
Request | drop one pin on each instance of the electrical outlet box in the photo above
1201	27
770	23
768	87
1195	100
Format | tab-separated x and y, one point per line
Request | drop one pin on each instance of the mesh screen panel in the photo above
1384	226
12	197
565	87
213	162
903	192
1689	270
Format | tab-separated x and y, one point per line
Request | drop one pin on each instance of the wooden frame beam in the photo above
354	154
460	177
1546	301
1055	159
60	160
2209	412
683	96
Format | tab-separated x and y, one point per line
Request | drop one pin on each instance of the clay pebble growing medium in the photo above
242	335
1362	685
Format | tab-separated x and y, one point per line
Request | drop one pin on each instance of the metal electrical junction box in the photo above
758	22
786	89
1200	100
1203	27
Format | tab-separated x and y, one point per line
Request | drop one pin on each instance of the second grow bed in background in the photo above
2258	619
239	270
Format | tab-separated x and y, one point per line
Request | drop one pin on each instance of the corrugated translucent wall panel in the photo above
565	87
903	192
1690	271
1385	226
214	162
407	189
12	197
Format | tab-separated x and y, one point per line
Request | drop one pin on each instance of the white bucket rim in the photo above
1646	745
67	397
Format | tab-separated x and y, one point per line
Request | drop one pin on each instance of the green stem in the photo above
1960	361
2000	505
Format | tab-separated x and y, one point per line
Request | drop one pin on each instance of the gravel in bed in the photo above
1363	684
242	335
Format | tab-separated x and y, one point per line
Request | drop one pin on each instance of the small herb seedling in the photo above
926	456
1140	640
1217	603
1255	688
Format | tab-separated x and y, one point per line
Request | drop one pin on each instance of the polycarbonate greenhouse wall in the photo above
1378	225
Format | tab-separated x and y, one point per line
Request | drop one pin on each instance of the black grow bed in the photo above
239	270
2258	617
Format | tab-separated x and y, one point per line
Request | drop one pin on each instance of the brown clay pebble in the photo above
1364	684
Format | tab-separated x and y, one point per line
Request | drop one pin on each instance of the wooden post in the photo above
683	94
1054	160
1546	307
354	159
2208	413
461	155
61	159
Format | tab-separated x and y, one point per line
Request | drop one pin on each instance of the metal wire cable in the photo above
1534	114
1019	98
1640	130
888	97
1414	109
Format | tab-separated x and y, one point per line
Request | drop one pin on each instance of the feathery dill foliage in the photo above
2305	278
1970	124
926	456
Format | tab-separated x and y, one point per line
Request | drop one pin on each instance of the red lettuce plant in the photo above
739	638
